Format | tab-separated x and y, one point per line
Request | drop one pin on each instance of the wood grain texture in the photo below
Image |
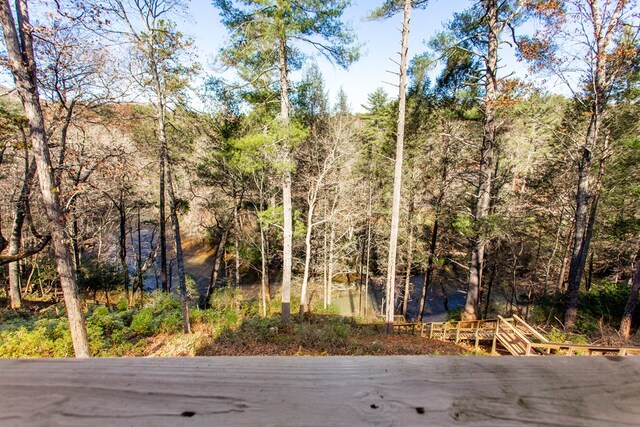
321	391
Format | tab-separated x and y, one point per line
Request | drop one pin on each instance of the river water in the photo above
199	257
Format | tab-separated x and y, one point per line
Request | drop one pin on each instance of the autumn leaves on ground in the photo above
232	326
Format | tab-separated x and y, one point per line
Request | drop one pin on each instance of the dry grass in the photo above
321	336
380	345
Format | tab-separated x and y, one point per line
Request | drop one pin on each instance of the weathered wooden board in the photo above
321	391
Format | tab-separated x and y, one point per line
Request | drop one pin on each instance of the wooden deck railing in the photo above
322	391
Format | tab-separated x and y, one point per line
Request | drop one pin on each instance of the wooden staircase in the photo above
512	335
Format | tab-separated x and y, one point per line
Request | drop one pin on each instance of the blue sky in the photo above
380	41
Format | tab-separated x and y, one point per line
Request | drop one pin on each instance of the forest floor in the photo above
330	339
292	343
371	346
232	326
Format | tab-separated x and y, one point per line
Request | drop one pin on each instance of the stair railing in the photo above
530	329
518	333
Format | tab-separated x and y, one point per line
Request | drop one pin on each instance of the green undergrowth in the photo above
319	334
231	325
156	328
602	306
114	331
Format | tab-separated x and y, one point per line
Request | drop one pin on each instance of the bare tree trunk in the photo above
595	198
287	248
325	267
19	43
217	263
407	280
589	278
139	261
487	304
75	247
580	241
16	232
264	271
565	260
630	308
397	175
367	270
123	244
547	270
266	265
332	239
236	243
307	260
286	176
182	284
423	296
429	273
28	287
166	180
163	222
361	256
514	269
313	193
368	262
603	27
486	160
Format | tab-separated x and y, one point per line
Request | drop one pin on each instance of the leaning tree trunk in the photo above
583	228
313	193
580	248
397	175
215	272
471	309
630	308
19	43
